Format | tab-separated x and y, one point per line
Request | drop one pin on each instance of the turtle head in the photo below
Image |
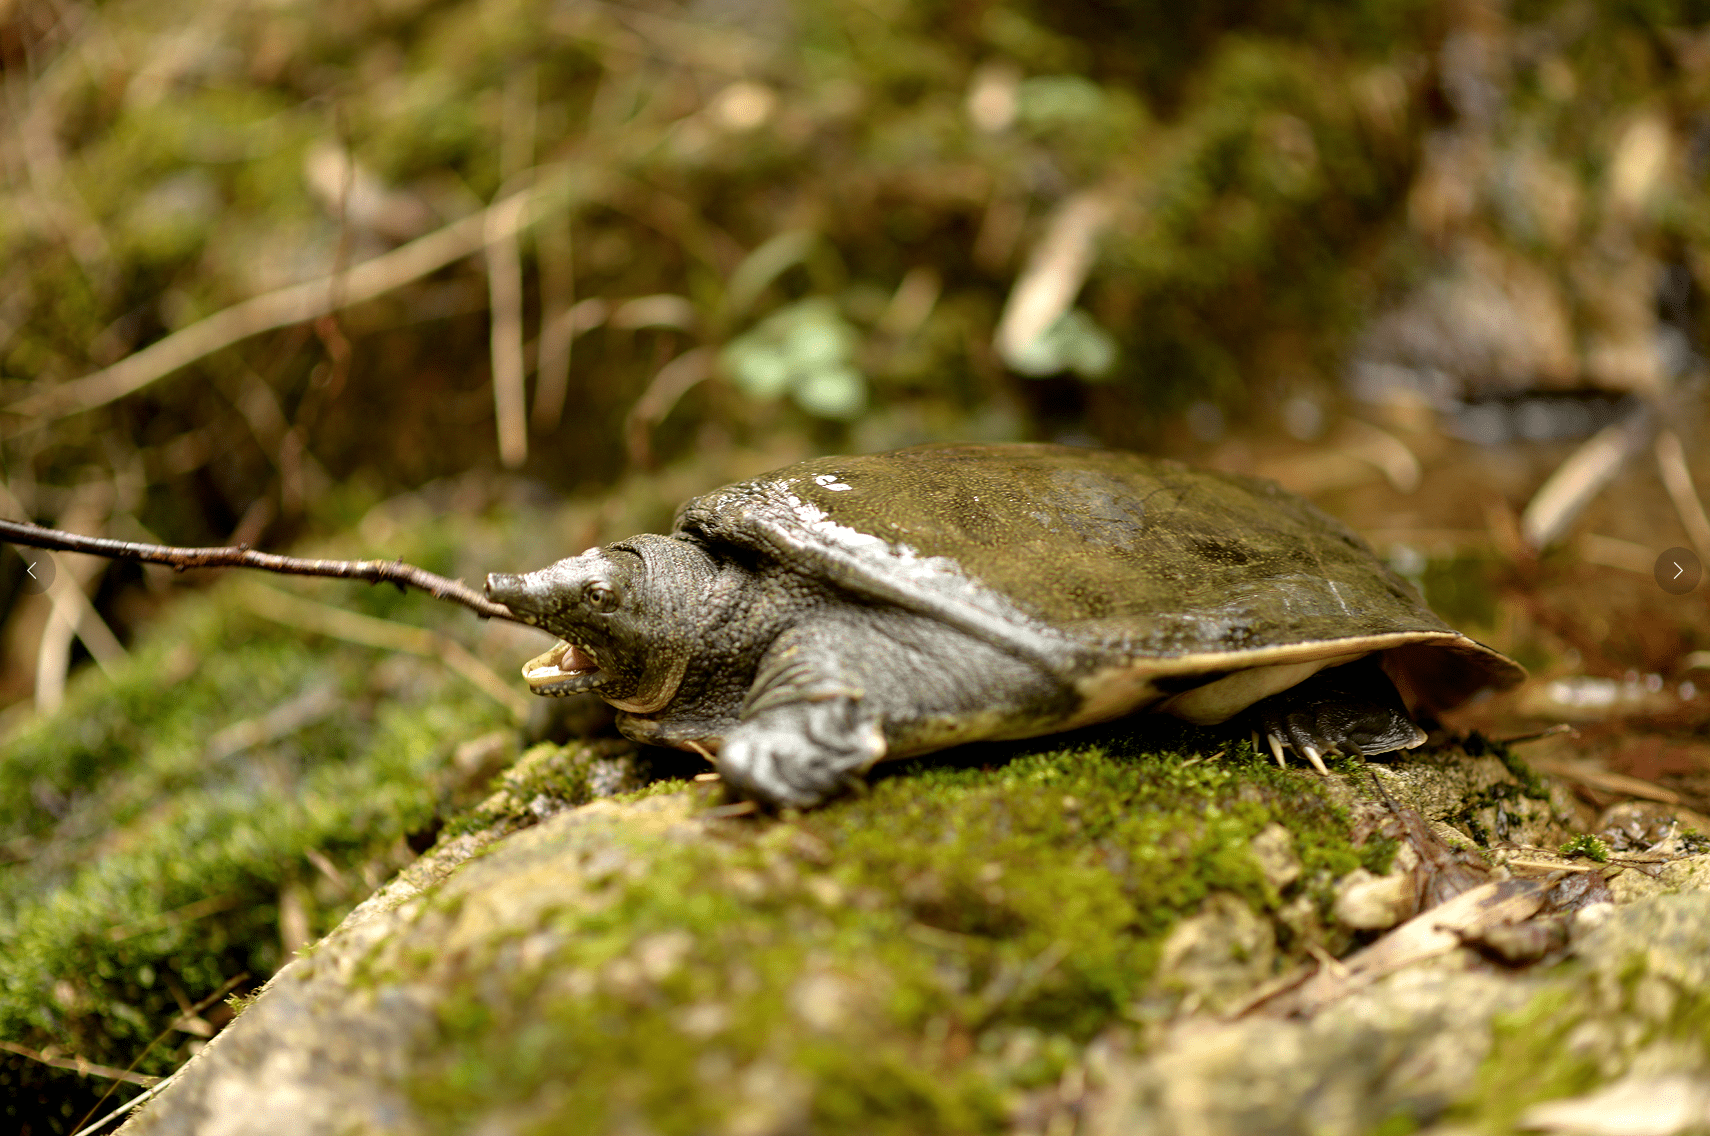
624	616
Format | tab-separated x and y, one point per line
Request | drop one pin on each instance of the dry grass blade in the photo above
1613	553
141	1098
75	607
70	613
1620	783
352	627
1436	931
225	988
1054	273
1677	477
1385	451
553	240
505	296
79	1065
372	571
1550	866
298	303
674	380
190	912
283	720
1583	476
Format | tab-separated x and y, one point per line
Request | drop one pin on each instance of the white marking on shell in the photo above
967	599
876	549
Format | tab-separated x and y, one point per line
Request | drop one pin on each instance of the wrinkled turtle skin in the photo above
805	624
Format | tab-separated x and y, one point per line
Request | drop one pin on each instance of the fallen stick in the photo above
373	571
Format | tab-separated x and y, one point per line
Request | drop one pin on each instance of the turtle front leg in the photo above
1352	709
798	755
807	730
857	685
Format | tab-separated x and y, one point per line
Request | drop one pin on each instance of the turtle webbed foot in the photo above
798	754
1352	709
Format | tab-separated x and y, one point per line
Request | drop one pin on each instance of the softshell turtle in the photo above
802	625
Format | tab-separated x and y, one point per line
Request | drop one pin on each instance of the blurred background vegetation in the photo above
791	227
389	275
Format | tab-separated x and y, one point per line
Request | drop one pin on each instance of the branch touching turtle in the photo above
241	556
801	626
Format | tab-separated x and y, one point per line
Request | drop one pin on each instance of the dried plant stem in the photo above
553	242
298	303
354	627
674	380
373	571
1054	274
1677	477
1586	472
79	1065
505	297
84	1128
1586	773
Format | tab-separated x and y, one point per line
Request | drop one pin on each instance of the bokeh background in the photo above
478	282
1228	233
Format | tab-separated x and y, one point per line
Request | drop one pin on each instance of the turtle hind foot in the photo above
1352	709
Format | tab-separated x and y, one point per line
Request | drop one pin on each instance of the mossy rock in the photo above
978	945
931	955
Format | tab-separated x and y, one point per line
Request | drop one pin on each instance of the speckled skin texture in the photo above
809	622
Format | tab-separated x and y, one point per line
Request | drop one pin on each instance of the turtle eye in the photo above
599	596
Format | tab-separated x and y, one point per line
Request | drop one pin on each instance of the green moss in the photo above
549	778
149	854
1588	846
1576	1035
1636	996
1530	784
905	960
1530	1060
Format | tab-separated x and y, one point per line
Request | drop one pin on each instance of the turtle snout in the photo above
516	592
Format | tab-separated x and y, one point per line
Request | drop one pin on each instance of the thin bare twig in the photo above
372	571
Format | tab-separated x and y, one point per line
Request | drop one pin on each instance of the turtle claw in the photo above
1352	710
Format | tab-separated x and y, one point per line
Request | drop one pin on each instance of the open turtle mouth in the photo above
565	669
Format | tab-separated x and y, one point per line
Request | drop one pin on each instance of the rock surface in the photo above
510	983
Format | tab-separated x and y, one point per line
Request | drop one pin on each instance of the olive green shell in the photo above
1086	560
